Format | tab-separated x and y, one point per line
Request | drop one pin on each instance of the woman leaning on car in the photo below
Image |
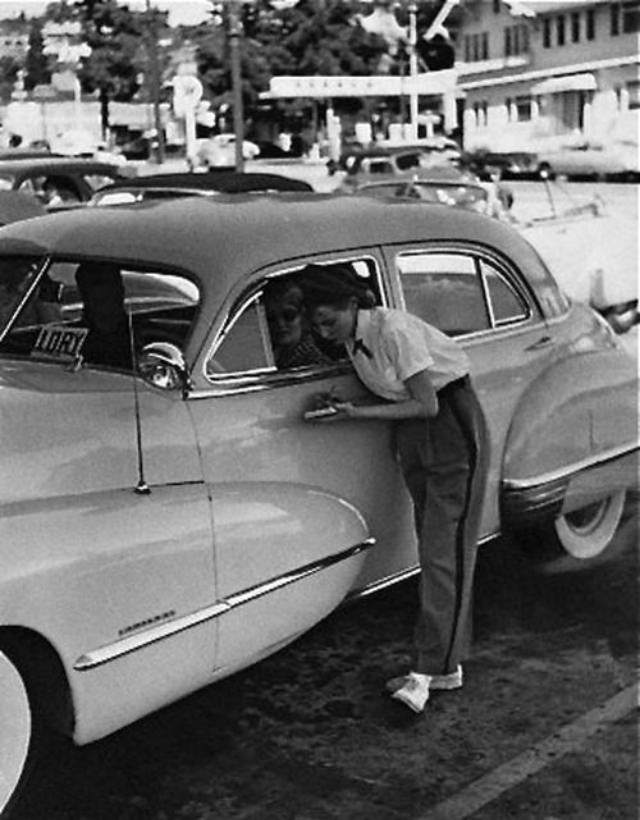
422	379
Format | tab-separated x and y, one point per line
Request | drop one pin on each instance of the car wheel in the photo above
579	539
16	736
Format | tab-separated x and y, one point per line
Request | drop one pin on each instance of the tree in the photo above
9	67
37	70
310	38
114	67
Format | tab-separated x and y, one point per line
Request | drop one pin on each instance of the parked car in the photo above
394	158
167	523
471	195
505	164
220	151
436	182
59	181
616	160
162	186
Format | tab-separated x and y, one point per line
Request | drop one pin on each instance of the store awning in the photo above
570	82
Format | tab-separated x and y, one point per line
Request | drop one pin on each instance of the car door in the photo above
286	492
477	296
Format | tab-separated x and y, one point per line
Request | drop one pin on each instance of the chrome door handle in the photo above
544	341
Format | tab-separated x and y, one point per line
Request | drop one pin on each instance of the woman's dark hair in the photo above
335	286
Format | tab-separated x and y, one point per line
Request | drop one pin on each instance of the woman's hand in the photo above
346	409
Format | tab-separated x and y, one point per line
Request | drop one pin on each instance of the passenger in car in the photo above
291	334
423	377
102	291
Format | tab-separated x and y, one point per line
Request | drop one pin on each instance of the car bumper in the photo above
530	501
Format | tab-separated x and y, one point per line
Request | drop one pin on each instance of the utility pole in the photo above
234	33
152	52
413	70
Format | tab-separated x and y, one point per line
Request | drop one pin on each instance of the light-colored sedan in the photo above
592	159
167	516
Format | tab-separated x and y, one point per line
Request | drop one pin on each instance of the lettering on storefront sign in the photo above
434	82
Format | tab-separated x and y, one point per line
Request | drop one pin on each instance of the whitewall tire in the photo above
588	532
16	733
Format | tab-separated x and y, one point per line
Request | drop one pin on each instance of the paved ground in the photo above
544	729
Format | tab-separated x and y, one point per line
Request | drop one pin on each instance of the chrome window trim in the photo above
110	652
27	294
525	293
513	286
514	484
268	380
252	291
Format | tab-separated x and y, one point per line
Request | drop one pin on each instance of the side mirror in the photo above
162	365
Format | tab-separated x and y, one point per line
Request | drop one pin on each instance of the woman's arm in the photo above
422	404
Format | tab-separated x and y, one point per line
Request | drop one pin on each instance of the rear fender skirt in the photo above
527	501
110	652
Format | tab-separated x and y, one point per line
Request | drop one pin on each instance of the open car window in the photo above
268	332
94	313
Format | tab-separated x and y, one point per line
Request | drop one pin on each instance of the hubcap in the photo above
587	519
15	734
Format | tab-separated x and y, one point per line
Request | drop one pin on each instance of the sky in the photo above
186	12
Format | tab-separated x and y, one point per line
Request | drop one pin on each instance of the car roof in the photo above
229	181
223	239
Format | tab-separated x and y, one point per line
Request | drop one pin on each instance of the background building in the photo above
544	71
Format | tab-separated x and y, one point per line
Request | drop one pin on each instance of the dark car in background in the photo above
15	206
505	164
59	181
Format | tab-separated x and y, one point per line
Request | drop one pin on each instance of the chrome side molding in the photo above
108	653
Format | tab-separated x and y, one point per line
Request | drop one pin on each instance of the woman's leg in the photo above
441	468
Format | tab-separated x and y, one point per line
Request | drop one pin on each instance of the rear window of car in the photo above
459	293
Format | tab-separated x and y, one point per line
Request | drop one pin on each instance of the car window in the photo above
506	304
97	313
406	161
96	181
245	346
268	330
377	166
445	290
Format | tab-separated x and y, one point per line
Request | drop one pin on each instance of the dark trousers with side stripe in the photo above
444	463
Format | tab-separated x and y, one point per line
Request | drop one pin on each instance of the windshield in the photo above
17	276
94	312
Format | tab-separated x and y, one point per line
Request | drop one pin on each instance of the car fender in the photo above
573	437
286	555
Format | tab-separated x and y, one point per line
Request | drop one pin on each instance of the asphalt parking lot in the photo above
545	727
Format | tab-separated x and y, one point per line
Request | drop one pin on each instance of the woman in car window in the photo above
293	341
421	377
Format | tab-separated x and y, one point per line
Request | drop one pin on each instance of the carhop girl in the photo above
421	377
